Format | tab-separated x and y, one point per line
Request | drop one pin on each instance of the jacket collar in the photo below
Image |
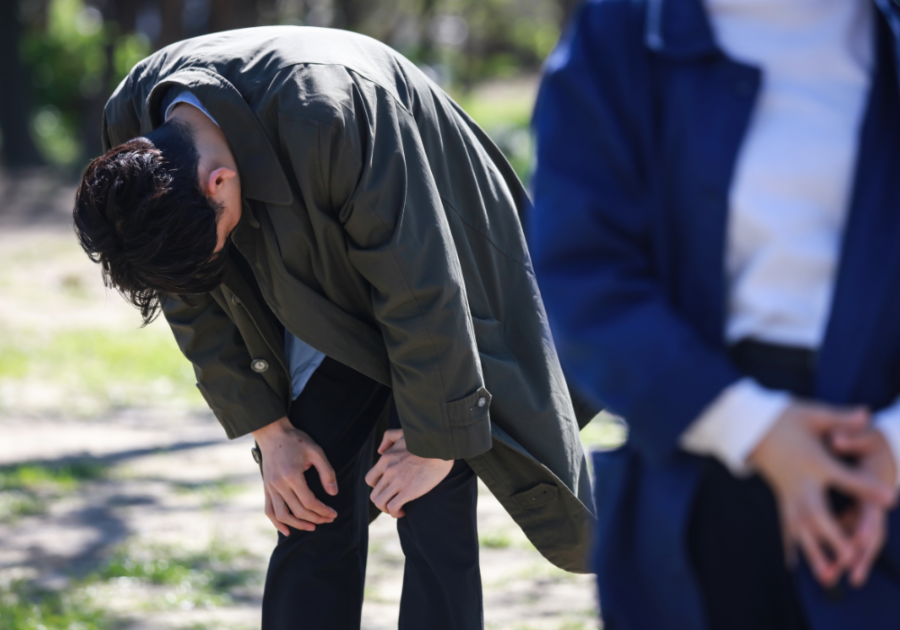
262	176
681	28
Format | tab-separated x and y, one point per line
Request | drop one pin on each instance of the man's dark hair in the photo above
141	214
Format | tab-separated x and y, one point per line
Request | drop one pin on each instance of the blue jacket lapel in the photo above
870	258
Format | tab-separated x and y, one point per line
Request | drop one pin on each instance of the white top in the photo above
790	194
302	358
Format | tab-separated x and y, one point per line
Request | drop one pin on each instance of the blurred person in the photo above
337	249
715	233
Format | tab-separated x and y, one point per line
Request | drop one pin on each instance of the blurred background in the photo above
122	505
62	58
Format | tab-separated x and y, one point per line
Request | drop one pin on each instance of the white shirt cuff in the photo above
888	422
735	422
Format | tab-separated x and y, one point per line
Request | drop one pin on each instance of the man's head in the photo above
156	211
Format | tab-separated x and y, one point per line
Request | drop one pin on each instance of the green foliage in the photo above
74	57
77	56
67	58
468	41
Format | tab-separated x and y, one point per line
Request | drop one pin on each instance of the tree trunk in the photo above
19	149
349	14
92	108
427	49
171	16
568	8
125	16
225	15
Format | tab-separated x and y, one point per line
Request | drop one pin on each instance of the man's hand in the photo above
287	453
795	460
867	522
399	476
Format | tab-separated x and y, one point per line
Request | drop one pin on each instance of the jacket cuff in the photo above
466	433
456	443
239	421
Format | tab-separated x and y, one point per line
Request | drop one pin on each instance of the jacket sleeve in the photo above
120	118
240	398
371	171
596	211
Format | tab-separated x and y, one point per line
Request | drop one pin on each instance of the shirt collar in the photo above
262	176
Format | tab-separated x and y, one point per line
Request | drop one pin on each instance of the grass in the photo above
27	489
34	477
605	431
95	370
505	115
208	578
26	607
498	539
182	580
211	493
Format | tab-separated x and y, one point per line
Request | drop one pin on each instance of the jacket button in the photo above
235	299
482	401
259	365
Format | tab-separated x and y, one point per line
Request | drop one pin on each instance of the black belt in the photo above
785	368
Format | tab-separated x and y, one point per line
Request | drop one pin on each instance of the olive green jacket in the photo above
382	228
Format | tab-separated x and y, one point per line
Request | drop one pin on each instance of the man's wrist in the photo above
271	430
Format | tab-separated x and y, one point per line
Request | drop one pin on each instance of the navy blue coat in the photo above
639	121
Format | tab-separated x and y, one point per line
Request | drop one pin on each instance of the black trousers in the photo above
734	536
316	579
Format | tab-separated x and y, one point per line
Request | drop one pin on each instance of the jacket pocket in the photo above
536	496
472	409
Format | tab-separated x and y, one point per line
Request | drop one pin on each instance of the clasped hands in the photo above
287	452
803	456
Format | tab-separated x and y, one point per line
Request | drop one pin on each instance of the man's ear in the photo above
217	179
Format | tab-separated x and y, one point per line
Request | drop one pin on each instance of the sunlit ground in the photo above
122	505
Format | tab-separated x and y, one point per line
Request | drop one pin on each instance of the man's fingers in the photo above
270	514
828	531
374	475
826	571
284	516
309	501
854	443
868	540
297	509
326	472
391	437
395	506
830	419
383	493
860	484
